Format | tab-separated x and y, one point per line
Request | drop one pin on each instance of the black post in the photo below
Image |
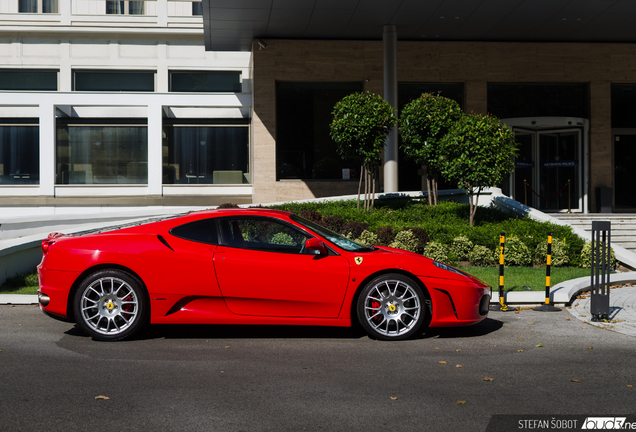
601	247
547	306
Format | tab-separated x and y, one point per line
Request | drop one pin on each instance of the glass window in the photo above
263	234
197	8
25	79
105	153
304	148
206	154
36	6
202	231
19	151
539	100
205	82
624	105
125	7
113	81
337	239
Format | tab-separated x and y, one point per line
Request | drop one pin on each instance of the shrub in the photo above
385	235
422	237
405	240
559	253
282	239
586	256
228	205
515	252
480	256
311	215
368	238
355	228
461	247
334	223
436	251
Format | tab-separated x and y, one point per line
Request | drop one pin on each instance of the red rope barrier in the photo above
553	196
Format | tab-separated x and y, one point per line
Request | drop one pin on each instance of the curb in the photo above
561	294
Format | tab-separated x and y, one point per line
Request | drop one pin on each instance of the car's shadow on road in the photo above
159	331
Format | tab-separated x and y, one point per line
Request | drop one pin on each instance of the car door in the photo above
263	269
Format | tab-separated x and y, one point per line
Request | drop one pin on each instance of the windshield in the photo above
337	239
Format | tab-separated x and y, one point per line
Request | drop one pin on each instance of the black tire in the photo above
111	305
391	307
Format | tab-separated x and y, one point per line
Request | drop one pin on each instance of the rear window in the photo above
202	231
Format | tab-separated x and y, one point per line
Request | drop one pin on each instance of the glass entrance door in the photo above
548	169
559	171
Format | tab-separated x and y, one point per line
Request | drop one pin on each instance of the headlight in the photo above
449	268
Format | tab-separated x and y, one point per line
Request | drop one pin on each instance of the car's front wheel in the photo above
110	305
391	307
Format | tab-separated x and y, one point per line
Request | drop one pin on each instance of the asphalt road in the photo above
221	378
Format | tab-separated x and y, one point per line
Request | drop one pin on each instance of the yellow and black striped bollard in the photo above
502	305
547	306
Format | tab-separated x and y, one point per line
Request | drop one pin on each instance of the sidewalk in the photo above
622	318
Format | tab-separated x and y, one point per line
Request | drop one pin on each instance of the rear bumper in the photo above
56	285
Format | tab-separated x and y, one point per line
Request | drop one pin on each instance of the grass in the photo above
25	283
515	278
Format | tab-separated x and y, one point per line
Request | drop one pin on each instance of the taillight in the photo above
47	242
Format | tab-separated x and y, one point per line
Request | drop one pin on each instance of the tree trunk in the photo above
373	175
473	205
428	189
366	188
434	187
360	184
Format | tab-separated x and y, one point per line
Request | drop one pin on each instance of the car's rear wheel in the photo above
391	307
110	305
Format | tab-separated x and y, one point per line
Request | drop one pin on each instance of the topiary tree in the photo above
361	123
477	152
423	123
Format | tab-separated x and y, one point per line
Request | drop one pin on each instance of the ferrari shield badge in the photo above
358	260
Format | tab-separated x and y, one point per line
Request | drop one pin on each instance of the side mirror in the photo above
317	245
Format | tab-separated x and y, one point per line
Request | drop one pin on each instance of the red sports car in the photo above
248	266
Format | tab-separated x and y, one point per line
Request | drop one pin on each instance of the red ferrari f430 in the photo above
248	266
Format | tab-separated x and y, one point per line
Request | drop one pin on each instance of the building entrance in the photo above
550	170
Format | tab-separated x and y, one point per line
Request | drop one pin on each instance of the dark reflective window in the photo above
19	151
24	79
197	8
624	105
202	231
205	82
108	151
206	154
113	81
304	149
35	6
538	100
125	7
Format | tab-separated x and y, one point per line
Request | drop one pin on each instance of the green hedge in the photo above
447	221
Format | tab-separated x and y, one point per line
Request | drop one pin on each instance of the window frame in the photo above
75	72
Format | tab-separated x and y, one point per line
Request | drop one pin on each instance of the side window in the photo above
264	234
202	231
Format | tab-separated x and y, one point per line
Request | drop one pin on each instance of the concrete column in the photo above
389	42
47	149
155	134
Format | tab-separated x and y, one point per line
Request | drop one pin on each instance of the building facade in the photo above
117	103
